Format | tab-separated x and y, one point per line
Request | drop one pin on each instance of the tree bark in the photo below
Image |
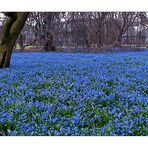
21	42
11	29
48	44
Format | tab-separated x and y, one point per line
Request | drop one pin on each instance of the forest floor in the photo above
75	94
84	50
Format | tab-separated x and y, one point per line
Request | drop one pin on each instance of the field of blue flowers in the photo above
75	94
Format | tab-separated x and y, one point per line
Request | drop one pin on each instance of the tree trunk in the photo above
118	42
10	32
49	47
48	44
21	42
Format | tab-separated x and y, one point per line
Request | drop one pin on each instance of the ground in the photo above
75	94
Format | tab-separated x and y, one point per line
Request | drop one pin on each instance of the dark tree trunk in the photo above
10	32
48	44
49	47
21	42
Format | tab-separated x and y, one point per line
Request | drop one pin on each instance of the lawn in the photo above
75	94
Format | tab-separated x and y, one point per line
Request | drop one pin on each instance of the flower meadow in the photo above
75	94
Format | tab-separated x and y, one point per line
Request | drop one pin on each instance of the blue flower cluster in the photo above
75	94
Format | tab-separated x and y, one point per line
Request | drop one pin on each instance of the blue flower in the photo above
75	94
